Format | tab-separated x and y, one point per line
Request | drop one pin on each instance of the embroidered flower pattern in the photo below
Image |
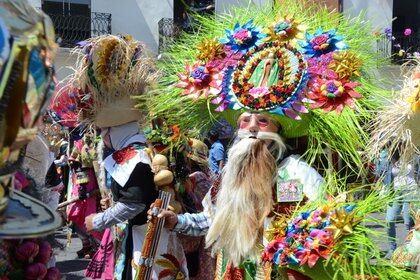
124	155
172	268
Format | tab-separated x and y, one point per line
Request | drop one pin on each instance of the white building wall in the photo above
35	3
64	62
136	17
223	6
378	12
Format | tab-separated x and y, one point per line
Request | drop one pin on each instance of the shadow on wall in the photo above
64	62
138	18
378	12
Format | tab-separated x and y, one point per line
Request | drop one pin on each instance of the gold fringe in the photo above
219	263
263	271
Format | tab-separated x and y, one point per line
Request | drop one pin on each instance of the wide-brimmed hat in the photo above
26	217
198	151
110	71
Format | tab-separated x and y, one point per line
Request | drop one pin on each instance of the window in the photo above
71	18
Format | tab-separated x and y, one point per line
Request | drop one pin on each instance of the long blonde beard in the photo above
244	199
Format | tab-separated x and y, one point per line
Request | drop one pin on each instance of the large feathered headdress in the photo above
309	68
109	71
396	127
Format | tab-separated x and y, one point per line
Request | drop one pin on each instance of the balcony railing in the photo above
71	29
400	48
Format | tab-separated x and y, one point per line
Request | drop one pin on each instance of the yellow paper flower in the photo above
210	49
285	29
346	64
277	227
401	53
342	223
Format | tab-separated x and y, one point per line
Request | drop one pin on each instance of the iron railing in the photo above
391	48
383	47
71	29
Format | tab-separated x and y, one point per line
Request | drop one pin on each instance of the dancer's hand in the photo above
89	222
171	218
105	203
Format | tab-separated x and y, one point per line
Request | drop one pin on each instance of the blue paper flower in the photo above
305	215
349	208
322	42
277	256
291	259
243	38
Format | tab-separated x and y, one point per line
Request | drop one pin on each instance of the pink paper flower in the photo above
52	274
45	252
257	92
408	31
200	80
231	59
318	66
35	271
242	36
320	42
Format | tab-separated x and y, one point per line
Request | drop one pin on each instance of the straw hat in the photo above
198	151
110	71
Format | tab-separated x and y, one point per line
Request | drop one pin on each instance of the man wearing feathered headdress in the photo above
283	79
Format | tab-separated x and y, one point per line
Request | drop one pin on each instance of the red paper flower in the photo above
315	248
124	155
332	94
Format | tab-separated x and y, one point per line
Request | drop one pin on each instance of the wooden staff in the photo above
65	203
151	241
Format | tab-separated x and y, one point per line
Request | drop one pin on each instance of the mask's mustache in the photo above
277	141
